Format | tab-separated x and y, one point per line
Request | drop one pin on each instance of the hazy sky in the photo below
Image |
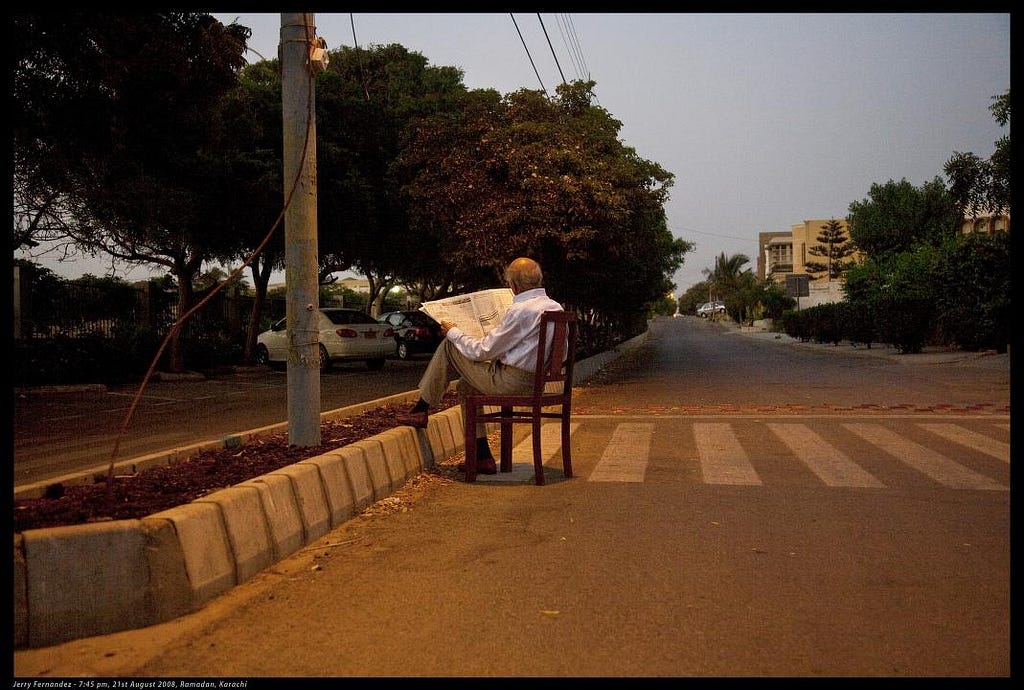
764	119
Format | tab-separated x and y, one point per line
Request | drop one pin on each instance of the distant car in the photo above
415	332
709	309
345	334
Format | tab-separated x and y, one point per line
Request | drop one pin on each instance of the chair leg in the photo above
538	459
470	442
566	451
506	440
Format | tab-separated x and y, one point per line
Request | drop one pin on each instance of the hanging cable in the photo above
528	53
551	47
359	56
572	45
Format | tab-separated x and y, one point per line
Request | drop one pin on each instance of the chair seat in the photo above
533	407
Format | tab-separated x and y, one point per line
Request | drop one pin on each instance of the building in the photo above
359	285
784	254
775	258
986	223
787	253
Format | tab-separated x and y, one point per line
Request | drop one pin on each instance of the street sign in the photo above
798	285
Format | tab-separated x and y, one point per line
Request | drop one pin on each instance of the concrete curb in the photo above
101	578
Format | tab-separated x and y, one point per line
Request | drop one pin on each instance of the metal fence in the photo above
69	309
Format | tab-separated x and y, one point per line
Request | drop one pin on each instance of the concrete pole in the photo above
298	101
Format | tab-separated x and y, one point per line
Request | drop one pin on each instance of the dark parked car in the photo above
415	332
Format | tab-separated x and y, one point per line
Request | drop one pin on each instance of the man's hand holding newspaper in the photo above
475	313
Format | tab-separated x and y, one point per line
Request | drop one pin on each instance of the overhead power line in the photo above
528	53
571	42
551	47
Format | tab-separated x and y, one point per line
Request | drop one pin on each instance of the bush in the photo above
973	292
796	324
212	350
827	323
861	326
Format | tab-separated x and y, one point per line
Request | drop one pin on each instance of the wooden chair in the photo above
529	408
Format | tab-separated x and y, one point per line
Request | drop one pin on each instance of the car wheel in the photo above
403	350
325	359
375	364
262	356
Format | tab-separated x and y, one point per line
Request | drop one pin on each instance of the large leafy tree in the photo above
112	117
365	100
923	279
981	186
897	215
525	174
247	127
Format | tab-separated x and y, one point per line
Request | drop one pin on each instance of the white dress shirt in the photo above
514	342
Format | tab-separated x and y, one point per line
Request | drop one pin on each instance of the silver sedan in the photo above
345	334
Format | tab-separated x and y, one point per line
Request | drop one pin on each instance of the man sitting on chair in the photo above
500	363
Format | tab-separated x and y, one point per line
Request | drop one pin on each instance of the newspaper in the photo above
475	313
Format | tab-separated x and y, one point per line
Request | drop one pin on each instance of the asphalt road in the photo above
741	507
57	433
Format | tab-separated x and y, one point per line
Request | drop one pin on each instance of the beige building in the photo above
360	285
986	223
787	253
784	254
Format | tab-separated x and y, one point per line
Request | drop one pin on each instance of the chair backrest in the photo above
558	328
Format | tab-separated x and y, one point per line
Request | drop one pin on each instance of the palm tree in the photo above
729	282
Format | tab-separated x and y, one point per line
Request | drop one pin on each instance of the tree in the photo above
981	186
732	284
112	117
834	247
526	174
694	296
923	279
247	131
897	216
774	301
366	100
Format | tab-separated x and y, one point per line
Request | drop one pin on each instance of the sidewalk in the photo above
128	574
929	355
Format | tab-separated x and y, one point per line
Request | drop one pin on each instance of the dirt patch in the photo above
160	488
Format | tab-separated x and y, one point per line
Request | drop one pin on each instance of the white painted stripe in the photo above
722	458
829	464
801	415
924	460
625	457
550	443
971	439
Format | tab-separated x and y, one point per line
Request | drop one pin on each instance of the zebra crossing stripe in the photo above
625	457
971	439
828	463
924	460
722	458
550	443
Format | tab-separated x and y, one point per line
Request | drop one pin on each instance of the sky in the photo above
765	120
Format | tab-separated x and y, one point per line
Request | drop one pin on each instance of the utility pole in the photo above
298	106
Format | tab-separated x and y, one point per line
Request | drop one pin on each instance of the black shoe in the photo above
483	466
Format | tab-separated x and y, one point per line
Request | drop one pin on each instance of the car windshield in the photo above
418	318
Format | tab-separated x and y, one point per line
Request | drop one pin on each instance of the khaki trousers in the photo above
494	377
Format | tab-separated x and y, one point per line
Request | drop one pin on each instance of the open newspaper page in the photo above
475	313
